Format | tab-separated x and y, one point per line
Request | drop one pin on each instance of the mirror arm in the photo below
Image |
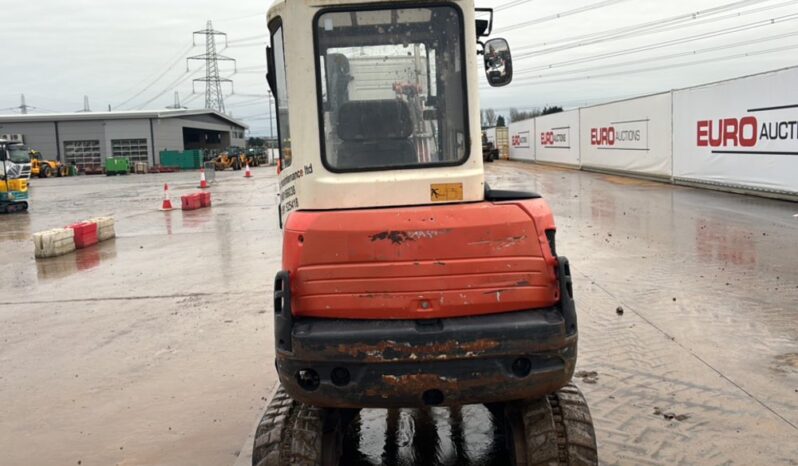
489	27
481	50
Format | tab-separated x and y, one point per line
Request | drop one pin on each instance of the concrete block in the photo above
105	227
53	243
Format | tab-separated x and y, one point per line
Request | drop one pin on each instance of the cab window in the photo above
281	97
391	87
18	155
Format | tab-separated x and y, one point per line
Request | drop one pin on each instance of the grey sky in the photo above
56	51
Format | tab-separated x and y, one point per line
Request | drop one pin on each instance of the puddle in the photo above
461	436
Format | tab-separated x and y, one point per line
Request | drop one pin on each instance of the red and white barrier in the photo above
59	241
196	201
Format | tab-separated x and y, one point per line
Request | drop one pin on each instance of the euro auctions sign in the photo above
520	140
622	135
556	137
761	131
742	132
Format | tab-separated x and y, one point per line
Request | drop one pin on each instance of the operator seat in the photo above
375	134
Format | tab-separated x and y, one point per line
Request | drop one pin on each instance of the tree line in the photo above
489	118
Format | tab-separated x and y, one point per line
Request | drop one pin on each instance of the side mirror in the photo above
498	62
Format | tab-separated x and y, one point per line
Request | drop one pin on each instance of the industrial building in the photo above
87	139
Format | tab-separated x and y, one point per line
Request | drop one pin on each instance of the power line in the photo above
239	18
664	57
562	14
248	101
169	68
256	117
248	104
250	44
180	80
510	4
190	98
667	43
248	95
252	68
248	38
657	68
651	31
650	27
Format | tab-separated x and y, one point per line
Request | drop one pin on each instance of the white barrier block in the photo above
53	243
105	227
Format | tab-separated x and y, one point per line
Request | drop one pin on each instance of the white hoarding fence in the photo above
522	144
557	138
739	133
629	136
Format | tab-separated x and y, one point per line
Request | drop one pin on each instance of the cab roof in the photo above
278	5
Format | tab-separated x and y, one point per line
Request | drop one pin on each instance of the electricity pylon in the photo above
214	99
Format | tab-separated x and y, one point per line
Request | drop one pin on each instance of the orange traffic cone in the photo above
248	172
203	182
167	203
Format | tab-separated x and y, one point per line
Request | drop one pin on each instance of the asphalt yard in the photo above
156	348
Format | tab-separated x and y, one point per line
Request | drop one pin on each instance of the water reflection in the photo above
458	436
81	260
194	219
724	243
15	227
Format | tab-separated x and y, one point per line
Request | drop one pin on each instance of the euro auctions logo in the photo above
752	134
556	138
520	140
609	136
622	135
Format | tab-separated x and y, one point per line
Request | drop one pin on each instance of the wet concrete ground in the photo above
156	347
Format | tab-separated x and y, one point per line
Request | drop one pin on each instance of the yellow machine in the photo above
13	183
252	159
225	160
46	168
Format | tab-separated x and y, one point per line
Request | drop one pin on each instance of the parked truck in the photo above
13	183
19	155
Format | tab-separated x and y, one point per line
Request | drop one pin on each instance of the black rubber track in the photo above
290	433
558	430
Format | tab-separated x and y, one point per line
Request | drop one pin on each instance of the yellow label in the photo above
446	192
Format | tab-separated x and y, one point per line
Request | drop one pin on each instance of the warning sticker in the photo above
446	192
